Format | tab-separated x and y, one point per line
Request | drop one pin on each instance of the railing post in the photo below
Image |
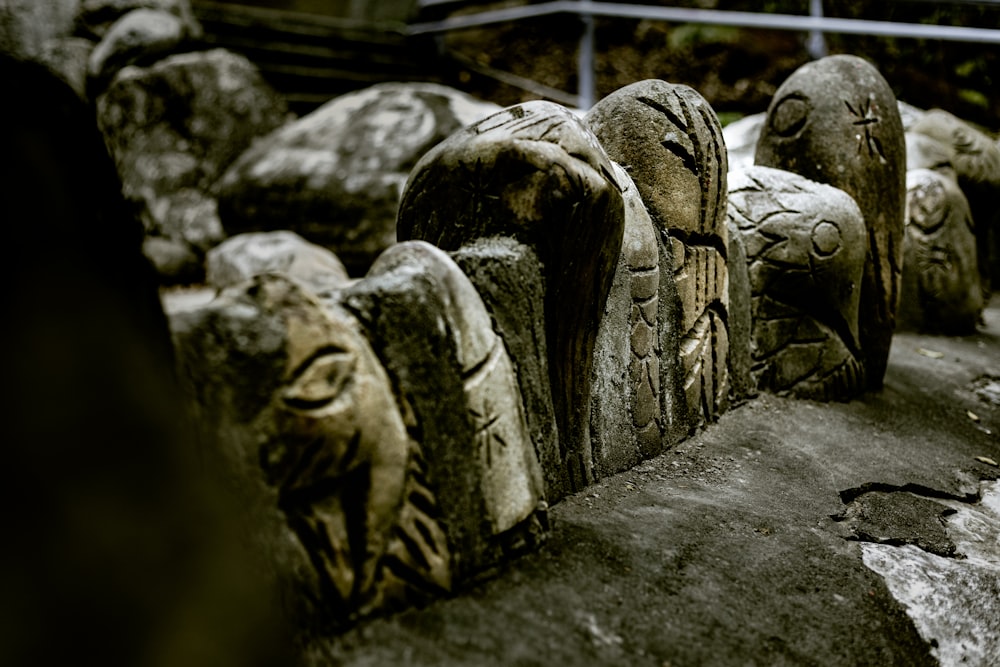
585	59
816	44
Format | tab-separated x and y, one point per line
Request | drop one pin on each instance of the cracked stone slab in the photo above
953	602
899	518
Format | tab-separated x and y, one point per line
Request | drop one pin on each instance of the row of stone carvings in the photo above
571	295
951	242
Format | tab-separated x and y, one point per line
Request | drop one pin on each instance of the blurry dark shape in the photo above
113	547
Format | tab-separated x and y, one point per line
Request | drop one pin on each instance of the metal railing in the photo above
816	24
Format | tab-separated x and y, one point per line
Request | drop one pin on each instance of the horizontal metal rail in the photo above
713	17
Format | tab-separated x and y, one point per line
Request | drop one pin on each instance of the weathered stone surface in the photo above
976	159
924	152
899	518
535	173
244	256
741	140
941	289
805	244
175	260
316	448
669	141
908	114
952	601
95	18
511	283
836	121
68	57
626	418
174	127
140	35
452	371
741	381
27	25
336	175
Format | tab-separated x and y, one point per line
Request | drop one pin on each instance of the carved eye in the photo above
826	239
790	115
319	379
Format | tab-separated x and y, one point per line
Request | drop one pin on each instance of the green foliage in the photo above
691	35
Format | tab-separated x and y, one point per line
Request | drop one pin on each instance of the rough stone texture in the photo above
336	175
140	35
27	25
669	141
510	281
836	121
68	57
244	256
316	449
535	173
899	518
908	114
741	140
95	18
976	159
741	380
626	417
172	129
805	244
941	289
924	152
453	374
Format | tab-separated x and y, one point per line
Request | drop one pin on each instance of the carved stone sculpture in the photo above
805	248
509	279
976	159
316	448
382	448
836	121
669	141
741	381
533	172
626	419
941	288
455	377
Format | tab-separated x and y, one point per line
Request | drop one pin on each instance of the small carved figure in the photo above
805	248
836	121
670	142
317	444
436	339
535	173
941	288
976	158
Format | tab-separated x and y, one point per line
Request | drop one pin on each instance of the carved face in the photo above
805	245
940	272
338	449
